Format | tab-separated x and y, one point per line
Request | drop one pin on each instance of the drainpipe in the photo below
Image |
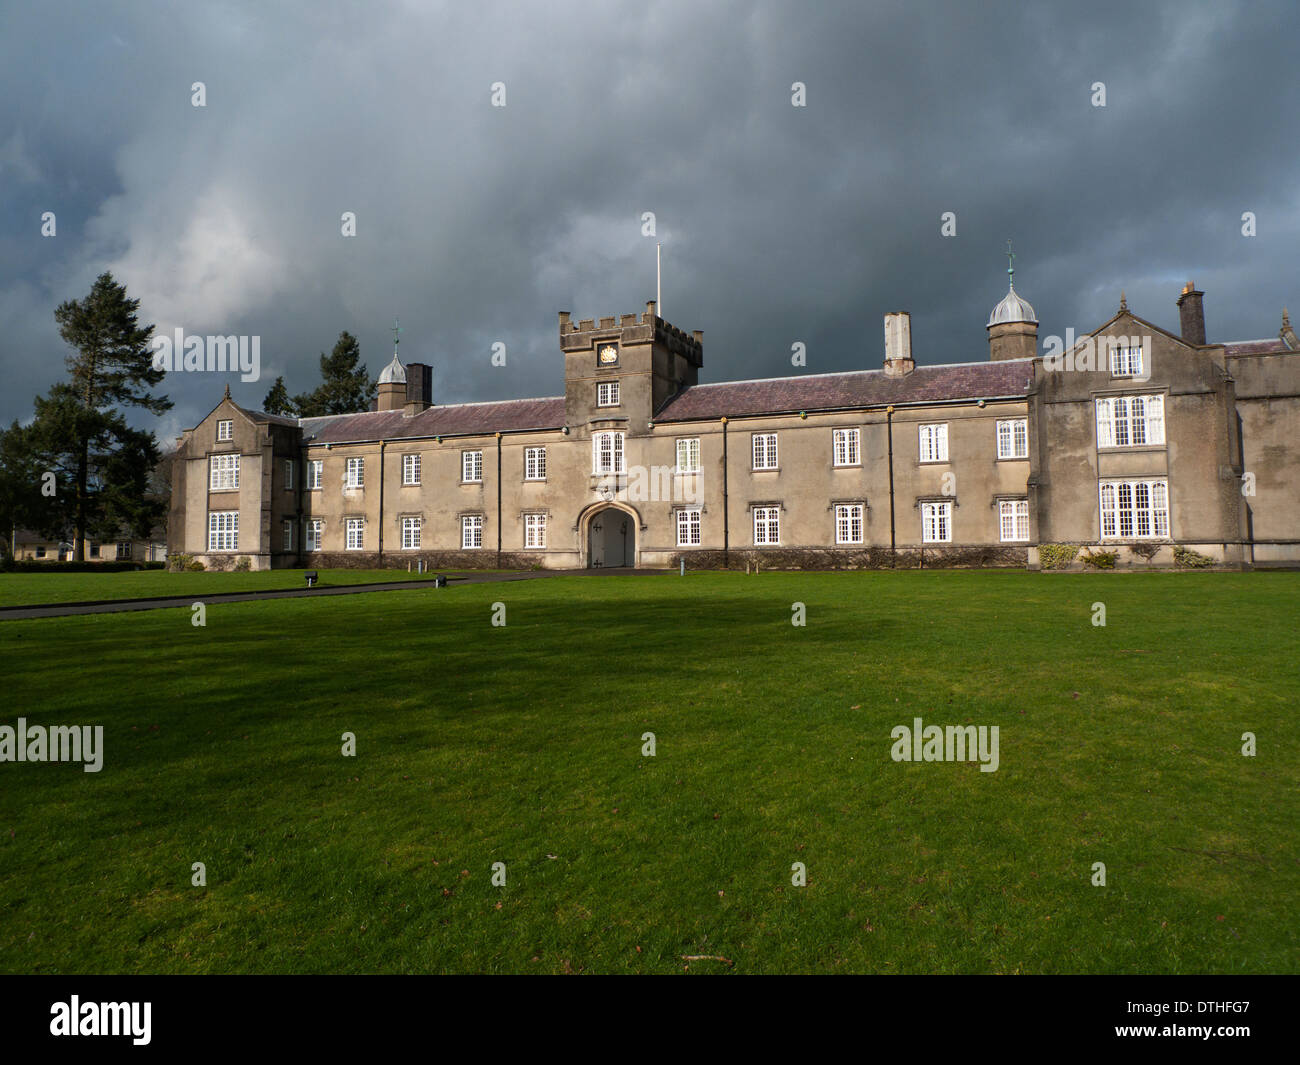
382	445
498	500
889	428
726	510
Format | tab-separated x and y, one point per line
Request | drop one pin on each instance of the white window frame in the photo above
223	530
534	464
288	475
412	533
287	542
767	526
357	526
607	454
123	552
936	523
1013	520
845	447
763	451
315	534
534	532
932	443
1013	438
1134	508
223	473
1121	420
607	394
850	523
315	474
471	467
1126	361
355	473
688	454
225	430
411	470
471	532
688	527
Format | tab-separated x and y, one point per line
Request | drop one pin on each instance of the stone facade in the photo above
1134	441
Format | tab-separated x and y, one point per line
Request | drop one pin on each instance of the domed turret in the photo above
394	373
1013	326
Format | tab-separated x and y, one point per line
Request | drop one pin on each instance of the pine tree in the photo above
278	400
345	387
78	430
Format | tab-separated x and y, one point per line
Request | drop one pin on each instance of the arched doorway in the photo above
611	539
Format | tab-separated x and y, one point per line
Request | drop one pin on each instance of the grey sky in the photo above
475	224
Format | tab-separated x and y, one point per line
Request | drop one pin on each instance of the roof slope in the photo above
459	419
863	388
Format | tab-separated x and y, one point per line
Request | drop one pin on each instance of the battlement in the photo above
629	330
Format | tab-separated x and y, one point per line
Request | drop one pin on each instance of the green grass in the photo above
27	589
522	744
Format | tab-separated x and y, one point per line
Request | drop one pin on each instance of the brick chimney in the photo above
1191	314
898	344
419	387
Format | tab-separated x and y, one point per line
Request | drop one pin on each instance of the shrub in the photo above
243	564
1146	552
195	566
1056	556
1186	558
179	563
1099	559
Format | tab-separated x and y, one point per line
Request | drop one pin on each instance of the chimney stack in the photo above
419	387
1192	314
898	344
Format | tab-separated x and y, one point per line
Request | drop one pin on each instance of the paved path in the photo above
115	606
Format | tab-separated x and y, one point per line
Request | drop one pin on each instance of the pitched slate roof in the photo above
1275	346
459	419
862	388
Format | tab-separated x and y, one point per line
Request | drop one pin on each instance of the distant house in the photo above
32	546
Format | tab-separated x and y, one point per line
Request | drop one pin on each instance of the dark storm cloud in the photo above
779	224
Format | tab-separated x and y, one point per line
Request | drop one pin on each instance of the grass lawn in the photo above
522	744
27	589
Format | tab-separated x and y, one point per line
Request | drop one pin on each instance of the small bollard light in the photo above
683	562
311	578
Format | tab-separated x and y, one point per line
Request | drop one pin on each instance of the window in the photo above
224	473
356	476
225	430
356	534
848	523
315	471
471	467
94	550
936	523
607	394
934	443
1134	509
315	528
1126	362
764	451
40	552
410	469
846	447
223	530
767	525
124	549
471	531
1130	421
688	455
410	534
288	475
688	528
1013	519
534	464
1013	439
534	530
607	453
288	535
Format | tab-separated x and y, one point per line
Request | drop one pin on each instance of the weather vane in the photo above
1010	257
396	339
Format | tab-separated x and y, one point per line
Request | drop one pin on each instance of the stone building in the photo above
1132	439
